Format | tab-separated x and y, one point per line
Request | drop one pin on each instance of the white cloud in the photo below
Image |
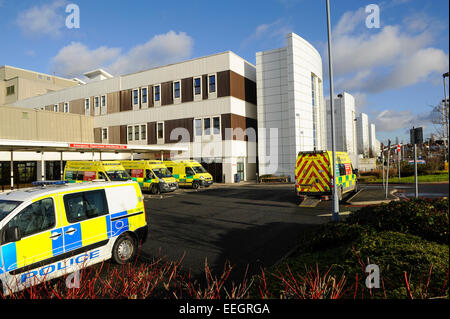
76	58
162	49
45	19
394	56
275	30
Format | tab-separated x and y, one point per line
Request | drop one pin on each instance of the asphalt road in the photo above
250	225
426	190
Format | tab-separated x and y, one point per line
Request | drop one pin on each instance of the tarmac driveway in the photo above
253	225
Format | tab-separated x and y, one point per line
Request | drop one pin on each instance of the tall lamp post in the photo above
335	201
445	116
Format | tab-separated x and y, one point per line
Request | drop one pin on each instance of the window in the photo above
341	170
135	97
160	130
207	126
35	218
136	133
143	132
144	95
86	104
85	205
104	133
197	86
216	125
10	90
313	93
103	100
212	84
198	127
66	107
130	133
56	108
157	92
176	90
189	171
97	101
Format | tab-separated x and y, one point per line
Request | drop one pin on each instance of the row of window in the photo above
176	92
202	126
141	94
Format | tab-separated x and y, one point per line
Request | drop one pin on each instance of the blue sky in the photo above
395	71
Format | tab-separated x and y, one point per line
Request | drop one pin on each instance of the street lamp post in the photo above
335	200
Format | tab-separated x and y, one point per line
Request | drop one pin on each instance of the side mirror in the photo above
12	234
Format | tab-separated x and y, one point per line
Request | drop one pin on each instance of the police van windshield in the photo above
162	172
7	206
199	169
118	175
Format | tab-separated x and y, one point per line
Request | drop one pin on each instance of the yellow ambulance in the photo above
58	227
151	175
189	173
85	171
313	174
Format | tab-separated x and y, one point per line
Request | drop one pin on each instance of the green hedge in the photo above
422	217
403	238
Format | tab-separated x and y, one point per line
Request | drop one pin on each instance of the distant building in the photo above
344	124
291	110
372	141
19	84
363	134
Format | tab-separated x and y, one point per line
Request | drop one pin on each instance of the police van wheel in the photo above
195	185
124	249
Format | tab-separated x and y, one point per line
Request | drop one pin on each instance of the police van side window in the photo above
102	175
85	205
35	218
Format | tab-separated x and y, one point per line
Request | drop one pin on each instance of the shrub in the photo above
422	217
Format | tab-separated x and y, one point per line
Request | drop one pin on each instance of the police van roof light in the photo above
43	183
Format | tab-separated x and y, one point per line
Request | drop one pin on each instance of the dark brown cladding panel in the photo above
223	83
125	101
234	121
113	102
205	86
230	83
151	133
77	106
97	135
123	134
114	135
170	125
187	91
150	96
167	93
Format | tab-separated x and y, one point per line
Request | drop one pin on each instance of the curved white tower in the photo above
291	110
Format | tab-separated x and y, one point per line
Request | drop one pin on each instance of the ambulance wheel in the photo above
124	249
195	185
155	189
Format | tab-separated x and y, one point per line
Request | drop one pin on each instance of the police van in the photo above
48	231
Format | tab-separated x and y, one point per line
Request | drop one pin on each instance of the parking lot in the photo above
253	225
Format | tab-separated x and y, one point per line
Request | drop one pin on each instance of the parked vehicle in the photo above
313	174
151	175
84	171
189	173
52	230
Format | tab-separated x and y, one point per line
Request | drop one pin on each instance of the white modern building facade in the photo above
363	134
344	124
207	105
291	110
